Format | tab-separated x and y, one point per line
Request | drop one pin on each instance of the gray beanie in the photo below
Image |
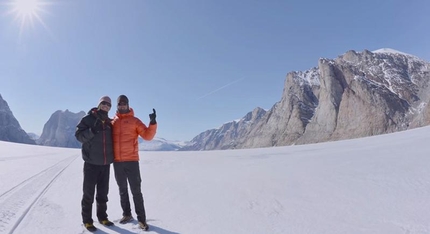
105	99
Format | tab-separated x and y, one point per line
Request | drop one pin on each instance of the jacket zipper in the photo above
104	143
119	139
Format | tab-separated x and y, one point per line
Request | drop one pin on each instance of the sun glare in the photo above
26	12
26	8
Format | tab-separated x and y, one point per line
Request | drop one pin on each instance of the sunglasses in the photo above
106	103
122	104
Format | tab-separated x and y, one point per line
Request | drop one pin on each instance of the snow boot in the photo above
125	219
143	225
90	227
106	222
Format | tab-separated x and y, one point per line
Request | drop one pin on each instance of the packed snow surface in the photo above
370	185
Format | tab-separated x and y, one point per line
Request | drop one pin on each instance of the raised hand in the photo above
152	117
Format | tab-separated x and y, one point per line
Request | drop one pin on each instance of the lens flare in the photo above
26	8
27	12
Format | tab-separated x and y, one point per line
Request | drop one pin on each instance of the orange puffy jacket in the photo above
126	130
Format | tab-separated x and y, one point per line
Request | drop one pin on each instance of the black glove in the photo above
152	117
97	127
94	131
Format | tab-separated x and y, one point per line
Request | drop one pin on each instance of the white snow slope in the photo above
374	185
392	51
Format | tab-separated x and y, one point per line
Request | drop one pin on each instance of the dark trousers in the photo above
130	171
95	176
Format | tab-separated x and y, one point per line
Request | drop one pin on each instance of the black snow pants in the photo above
130	171
95	176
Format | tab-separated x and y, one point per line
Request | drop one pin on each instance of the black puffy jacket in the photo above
94	131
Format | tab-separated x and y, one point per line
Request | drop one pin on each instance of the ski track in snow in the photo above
25	156
17	202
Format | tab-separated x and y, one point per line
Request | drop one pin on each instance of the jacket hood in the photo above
131	113
92	110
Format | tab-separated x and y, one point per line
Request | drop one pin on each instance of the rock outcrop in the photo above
60	130
10	129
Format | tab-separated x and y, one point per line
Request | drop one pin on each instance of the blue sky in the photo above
198	63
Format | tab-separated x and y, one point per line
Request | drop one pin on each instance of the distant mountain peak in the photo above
160	144
10	129
391	51
60	128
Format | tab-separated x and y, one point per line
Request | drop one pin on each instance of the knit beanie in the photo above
104	99
122	98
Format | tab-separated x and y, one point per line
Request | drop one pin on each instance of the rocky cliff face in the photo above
60	130
287	120
10	129
355	95
365	94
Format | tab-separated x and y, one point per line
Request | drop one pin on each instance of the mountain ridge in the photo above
355	95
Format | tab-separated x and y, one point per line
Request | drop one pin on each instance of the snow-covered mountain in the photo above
10	129
392	51
228	135
160	144
33	136
355	95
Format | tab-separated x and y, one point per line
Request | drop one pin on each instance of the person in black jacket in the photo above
94	131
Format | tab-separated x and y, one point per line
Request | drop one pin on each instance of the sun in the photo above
26	8
26	12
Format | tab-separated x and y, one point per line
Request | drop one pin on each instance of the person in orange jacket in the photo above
126	130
